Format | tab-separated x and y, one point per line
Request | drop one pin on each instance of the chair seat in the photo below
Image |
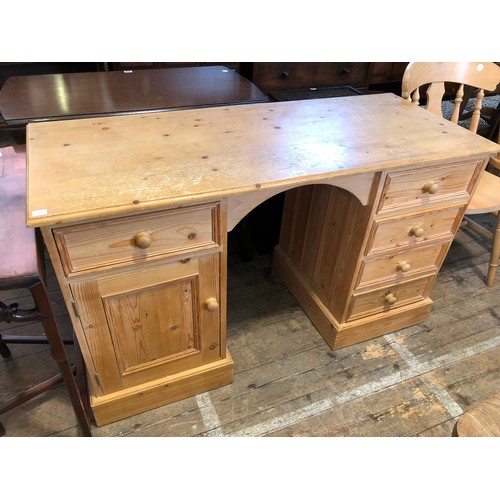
20	260
486	197
482	420
21	266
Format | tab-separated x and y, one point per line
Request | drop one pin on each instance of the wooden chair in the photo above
484	77
481	420
21	266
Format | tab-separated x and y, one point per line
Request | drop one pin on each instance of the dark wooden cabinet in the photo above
278	76
386	72
273	76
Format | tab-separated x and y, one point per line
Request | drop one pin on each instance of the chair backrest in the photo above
482	76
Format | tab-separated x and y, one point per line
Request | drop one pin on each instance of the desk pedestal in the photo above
360	271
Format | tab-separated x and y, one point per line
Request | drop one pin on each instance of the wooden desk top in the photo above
94	168
46	97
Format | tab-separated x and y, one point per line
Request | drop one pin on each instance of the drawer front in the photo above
404	232
422	259
137	238
389	298
281	76
422	187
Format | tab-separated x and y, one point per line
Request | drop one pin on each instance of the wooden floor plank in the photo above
402	410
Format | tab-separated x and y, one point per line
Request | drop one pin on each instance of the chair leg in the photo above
30	393
58	352
495	254
4	349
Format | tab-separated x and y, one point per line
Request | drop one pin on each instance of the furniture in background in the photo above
482	76
123	66
8	69
135	211
288	76
481	420
25	99
22	266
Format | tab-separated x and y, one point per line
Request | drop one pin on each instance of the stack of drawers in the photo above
366	270
417	217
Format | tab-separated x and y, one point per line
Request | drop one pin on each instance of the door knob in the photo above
142	239
211	304
403	266
390	299
417	231
431	187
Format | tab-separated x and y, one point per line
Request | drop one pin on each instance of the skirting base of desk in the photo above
128	402
338	335
380	324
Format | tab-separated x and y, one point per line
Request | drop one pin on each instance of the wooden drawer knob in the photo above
390	299
142	239
211	304
431	187
403	266
417	231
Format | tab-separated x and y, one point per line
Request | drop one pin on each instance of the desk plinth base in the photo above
336	334
129	402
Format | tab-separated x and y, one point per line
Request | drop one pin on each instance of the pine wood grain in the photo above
196	155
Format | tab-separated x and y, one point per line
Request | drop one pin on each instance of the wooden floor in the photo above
413	382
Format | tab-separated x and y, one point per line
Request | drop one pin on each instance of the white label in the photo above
38	213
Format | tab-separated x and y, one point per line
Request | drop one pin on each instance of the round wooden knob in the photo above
403	266
431	187
211	304
391	299
417	231
142	239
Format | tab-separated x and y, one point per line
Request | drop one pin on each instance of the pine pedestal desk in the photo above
135	210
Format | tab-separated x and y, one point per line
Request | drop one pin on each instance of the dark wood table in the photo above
34	98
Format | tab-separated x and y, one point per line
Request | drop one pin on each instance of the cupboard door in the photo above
147	323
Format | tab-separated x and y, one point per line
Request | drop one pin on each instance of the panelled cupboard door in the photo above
147	323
